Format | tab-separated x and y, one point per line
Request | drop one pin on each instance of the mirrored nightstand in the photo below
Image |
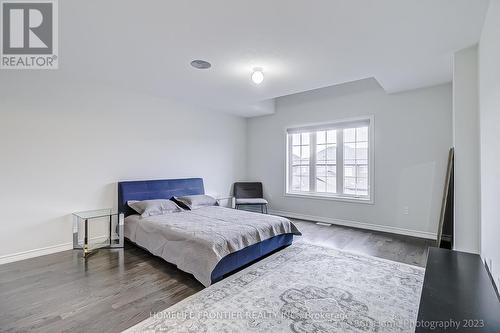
96	229
227	201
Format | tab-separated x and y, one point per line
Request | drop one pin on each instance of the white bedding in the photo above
197	240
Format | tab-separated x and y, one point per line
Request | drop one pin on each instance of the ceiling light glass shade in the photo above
257	76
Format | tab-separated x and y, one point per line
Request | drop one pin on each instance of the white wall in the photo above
489	115
413	132
63	148
466	143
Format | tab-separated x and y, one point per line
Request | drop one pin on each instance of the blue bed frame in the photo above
168	188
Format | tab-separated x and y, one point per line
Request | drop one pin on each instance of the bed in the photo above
209	242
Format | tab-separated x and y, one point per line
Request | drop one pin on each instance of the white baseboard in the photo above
488	263
356	224
35	253
5	259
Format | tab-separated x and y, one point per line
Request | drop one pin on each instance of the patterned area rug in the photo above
303	288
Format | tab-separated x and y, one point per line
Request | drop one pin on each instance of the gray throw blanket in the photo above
197	240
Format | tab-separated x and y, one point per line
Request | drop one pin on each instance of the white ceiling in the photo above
300	44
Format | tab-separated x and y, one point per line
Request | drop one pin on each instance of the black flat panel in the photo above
457	292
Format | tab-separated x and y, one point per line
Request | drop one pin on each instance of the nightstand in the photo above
96	229
229	201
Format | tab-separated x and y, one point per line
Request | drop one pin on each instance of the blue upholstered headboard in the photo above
156	189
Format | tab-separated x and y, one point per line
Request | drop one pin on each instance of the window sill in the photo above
330	197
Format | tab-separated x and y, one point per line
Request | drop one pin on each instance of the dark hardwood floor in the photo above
115	289
405	249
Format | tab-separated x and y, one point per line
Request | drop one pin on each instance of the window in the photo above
330	160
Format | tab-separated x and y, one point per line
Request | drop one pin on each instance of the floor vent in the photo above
323	224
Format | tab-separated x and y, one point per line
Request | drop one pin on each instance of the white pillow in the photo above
154	207
197	201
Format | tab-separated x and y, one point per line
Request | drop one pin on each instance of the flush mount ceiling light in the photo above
257	75
201	64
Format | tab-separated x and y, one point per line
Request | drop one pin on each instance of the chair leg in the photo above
262	209
265	207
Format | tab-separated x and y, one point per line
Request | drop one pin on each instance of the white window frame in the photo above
342	123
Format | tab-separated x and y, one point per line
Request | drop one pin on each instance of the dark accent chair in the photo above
246	193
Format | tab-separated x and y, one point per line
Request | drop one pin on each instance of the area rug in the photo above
303	288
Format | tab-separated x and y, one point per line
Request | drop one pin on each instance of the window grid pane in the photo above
300	162
356	161
326	160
